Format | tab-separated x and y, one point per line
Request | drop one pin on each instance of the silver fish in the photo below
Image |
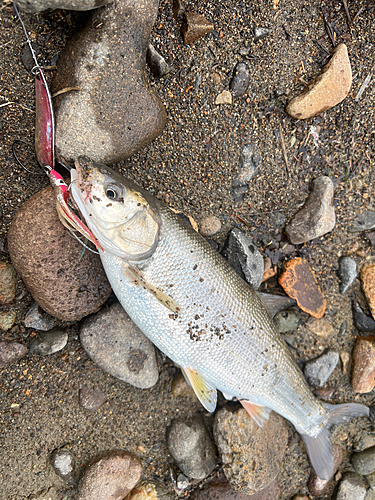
194	307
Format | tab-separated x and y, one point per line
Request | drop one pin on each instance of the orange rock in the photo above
300	284
269	274
329	88
368	285
363	375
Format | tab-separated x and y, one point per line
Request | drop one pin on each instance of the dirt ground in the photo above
191	167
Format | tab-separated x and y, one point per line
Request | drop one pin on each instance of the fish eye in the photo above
113	192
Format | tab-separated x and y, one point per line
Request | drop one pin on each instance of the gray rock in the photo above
361	321
62	461
49	342
317	216
275	303
245	258
117	345
364	441
8	283
371	238
364	461
157	64
91	399
251	455
37	319
39	5
240	80
351	487
260	33
286	321
249	162
318	370
11	352
192	448
347	273
116	112
364	222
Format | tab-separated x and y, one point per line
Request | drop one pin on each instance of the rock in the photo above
317	216
240	80
275	303
48	343
361	321
364	461
216	78
8	283
181	388
220	489
364	441
225	97
371	238
347	273
245	258
249	162
317	486
39	5
37	319
194	27
364	222
115	112
301	497
49	262
149	490
117	345
345	360
178	8
112	475
370	494
325	394
351	487
7	320
62	461
299	282
260	33
320	327
363	373
329	88
192	448
251	455
158	65
368	285
11	352
209	226
286	321
91	399
318	370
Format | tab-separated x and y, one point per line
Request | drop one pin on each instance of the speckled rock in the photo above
112	475
194	27
329	88
240	80
91	399
299	282
149	490
48	260
39	5
317	216
368	285
351	487
192	448
48	343
63	463
37	319
320	327
8	283
363	373
364	222
318	486
115	112
220	489
286	321
117	345
11	352
364	462
347	273
209	226
317	371
252	455
7	320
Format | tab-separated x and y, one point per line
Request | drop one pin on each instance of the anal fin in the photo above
259	413
204	390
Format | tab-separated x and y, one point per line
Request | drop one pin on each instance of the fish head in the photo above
124	218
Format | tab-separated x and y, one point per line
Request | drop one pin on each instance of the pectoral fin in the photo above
258	412
204	390
139	280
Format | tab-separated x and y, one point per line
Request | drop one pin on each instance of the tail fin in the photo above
319	448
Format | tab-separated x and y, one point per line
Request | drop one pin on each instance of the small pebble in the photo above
275	303
317	216
156	62
351	487
210	226
325	394
194	27
11	352
371	238
361	321
111	475
250	160
49	343
317	486
368	285
364	461
260	33
240	80
299	282
347	273
7	320
37	319
216	78
363	373
91	399
342	329
317	371
225	97
149	490
320	327
62	461
192	448
181	388
364	222
178	8
8	283
345	360
286	321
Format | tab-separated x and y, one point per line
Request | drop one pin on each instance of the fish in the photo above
193	306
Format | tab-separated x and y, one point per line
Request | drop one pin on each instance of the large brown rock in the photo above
368	285
363	374
115	112
48	259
